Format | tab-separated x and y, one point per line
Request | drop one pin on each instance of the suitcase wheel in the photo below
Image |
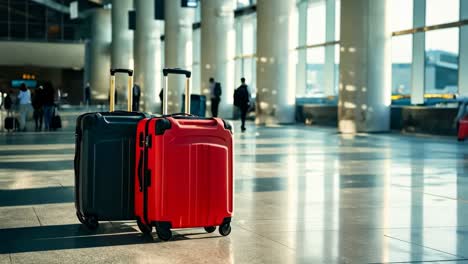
164	233
210	229
144	228
90	222
225	229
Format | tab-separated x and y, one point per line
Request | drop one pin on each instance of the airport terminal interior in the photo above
353	148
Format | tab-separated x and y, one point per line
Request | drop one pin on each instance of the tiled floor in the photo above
303	195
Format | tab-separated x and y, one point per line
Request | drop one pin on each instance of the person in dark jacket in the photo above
87	94
216	91
48	97
8	102
37	103
242	100
136	92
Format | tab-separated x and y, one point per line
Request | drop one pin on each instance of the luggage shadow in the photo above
76	236
73	236
37	196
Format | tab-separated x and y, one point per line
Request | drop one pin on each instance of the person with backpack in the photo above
242	101
215	89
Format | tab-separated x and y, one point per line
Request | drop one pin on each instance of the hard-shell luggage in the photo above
462	129
184	171
105	161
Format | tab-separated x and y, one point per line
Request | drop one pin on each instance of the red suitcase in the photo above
184	168
462	129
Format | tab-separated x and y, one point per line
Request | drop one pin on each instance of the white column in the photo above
218	50
329	71
419	53
365	69
302	53
147	54
122	43
276	71
98	64
463	71
178	33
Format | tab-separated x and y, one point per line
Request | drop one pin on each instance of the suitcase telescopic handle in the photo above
129	88
168	71
127	71
188	74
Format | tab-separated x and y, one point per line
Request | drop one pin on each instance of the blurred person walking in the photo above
24	98
87	94
48	98
242	101
136	93
215	91
37	103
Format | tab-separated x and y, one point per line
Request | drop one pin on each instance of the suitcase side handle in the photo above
129	89
188	74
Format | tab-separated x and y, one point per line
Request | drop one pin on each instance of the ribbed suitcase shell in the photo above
187	179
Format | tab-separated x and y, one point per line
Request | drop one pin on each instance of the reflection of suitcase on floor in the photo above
184	172
462	129
104	162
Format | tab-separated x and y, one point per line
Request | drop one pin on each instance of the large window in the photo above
402	47
245	63
316	21
315	78
442	11
402	58
318	51
441	61
27	20
431	65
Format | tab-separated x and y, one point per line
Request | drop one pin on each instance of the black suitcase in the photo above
56	121
105	161
11	123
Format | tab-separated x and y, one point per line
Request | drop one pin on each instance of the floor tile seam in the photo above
269	239
420	261
35	213
358	228
431	248
435	195
11	260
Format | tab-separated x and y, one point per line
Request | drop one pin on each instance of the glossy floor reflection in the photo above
302	195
